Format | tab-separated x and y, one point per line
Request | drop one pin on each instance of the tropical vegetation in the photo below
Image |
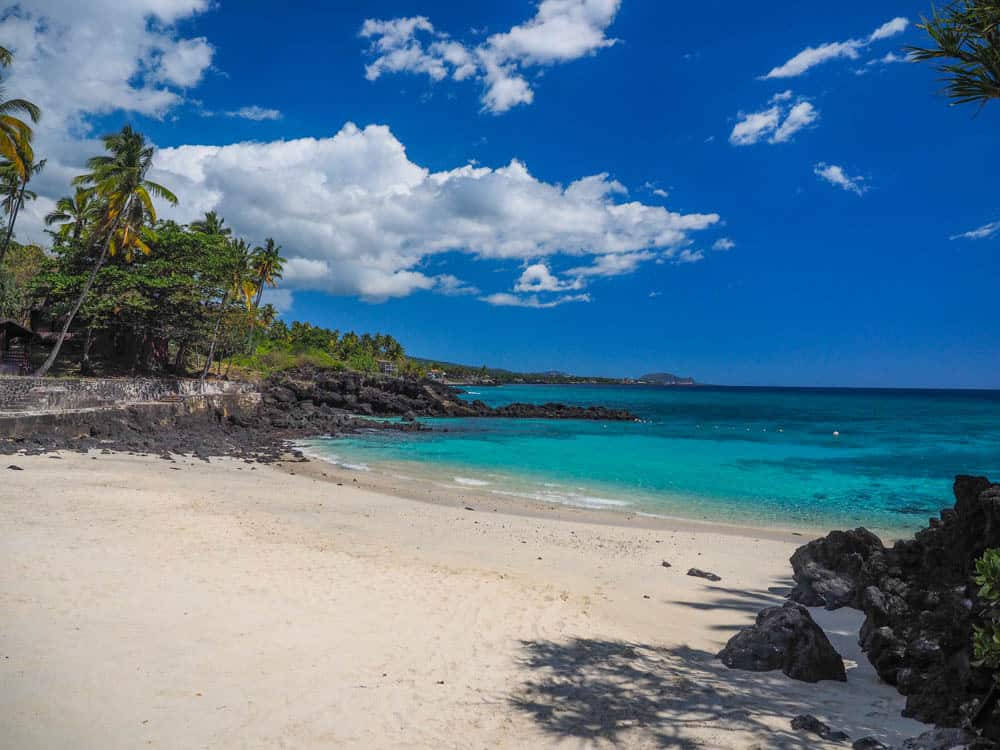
966	48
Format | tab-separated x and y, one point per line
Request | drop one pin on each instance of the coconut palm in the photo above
212	224
239	278
118	179
74	214
267	265
14	182
967	33
13	129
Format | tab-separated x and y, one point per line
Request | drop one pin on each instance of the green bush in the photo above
986	639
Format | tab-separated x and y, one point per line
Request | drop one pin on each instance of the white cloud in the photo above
810	57
776	124
560	31
653	295
356	216
254	112
836	175
613	265
723	244
504	299
281	299
890	28
538	278
78	60
453	286
982	233
802	115
688	256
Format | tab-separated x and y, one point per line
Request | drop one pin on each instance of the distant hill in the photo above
666	378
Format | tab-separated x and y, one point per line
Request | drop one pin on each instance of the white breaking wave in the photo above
471	482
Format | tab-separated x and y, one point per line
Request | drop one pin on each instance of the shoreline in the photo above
227	603
437	491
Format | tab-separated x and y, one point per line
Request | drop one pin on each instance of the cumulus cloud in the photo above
255	113
78	60
723	244
837	176
356	216
559	32
851	49
776	124
982	233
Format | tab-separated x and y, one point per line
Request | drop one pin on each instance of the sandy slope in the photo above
190	605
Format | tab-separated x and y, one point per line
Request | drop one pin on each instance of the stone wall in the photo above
48	394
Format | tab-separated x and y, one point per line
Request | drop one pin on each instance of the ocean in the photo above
785	457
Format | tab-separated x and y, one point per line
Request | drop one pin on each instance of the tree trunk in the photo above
215	337
44	369
181	355
13	217
85	368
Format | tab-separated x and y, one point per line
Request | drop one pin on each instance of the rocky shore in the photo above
291	405
921	607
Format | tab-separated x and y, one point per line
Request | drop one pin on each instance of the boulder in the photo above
785	638
829	571
947	739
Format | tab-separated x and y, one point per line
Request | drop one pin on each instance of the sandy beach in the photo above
186	604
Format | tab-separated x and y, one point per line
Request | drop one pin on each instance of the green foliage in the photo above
966	37
986	639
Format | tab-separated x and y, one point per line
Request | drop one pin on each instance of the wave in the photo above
471	482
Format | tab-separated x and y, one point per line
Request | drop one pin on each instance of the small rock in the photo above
15	467
665	564
869	743
469	507
695	572
809	723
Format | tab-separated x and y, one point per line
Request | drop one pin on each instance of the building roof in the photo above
15	330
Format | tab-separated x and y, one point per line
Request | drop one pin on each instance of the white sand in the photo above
220	606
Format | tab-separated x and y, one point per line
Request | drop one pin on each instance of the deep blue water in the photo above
760	455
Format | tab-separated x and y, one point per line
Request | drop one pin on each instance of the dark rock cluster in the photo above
788	639
304	390
292	405
920	604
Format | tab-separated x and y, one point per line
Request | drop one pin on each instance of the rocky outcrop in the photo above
920	604
383	396
788	639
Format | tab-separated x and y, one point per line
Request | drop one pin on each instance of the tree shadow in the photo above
592	689
602	691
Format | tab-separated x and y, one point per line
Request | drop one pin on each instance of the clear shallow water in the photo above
728	454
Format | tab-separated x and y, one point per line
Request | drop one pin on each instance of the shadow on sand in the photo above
604	690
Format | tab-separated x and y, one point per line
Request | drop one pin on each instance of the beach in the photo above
227	604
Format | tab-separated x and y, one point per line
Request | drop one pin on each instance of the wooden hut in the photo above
15	347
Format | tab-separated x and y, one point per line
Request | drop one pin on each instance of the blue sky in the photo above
840	187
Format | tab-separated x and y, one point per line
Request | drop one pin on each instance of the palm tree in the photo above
267	264
118	179
15	188
74	214
13	129
239	283
968	33
212	224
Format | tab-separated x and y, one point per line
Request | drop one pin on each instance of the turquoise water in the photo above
732	454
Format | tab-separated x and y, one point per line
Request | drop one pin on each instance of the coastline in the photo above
182	603
434	490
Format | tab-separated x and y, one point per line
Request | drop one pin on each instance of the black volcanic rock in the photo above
920	604
788	639
827	571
